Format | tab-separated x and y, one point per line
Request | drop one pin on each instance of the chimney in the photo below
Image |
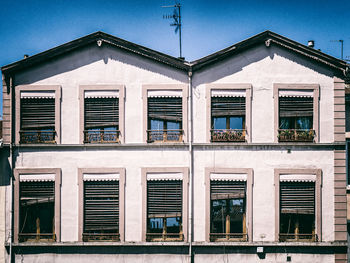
25	56
311	43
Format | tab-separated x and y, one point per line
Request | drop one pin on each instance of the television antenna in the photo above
341	41
177	20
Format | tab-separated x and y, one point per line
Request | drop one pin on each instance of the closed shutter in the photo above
227	106
101	206
296	106
227	189
164	198
37	113
168	109
37	193
297	197
101	112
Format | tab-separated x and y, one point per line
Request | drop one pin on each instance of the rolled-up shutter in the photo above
227	189
37	113
296	106
36	193
227	106
297	198
164	198
101	206
169	109
101	112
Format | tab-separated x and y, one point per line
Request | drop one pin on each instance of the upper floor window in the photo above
38	114
166	113
297	113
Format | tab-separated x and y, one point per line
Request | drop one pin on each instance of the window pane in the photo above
303	123
236	215
157	125
173	125
173	224
218	216
219	123
236	123
286	123
155	225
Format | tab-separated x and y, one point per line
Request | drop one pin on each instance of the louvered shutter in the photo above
37	113
101	206
164	198
227	189
296	106
297	197
168	109
227	106
101	112
37	193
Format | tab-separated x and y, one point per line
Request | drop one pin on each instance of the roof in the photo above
267	37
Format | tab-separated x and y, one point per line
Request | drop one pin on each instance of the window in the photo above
299	205
38	114
165	204
102	113
165	109
229	204
229	107
297	112
102	204
37	199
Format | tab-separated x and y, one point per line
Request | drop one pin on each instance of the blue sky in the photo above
32	26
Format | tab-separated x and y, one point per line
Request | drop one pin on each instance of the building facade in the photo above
119	153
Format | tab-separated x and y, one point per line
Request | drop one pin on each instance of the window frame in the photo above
318	196
57	207
121	172
33	88
293	86
165	87
248	106
121	97
185	182
249	198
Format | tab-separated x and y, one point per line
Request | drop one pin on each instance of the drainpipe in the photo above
12	154
190	139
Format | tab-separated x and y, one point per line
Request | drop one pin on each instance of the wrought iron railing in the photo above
164	237
296	135
37	136
227	135
228	237
101	136
101	237
298	237
164	135
36	237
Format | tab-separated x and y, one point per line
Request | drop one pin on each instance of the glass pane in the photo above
304	123
173	224
289	222
218	216
236	123
155	225
157	125
173	125
285	123
219	123
236	215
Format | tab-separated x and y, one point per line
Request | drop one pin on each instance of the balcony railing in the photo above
36	237
37	136
101	237
298	237
296	135
104	136
164	237
227	135
164	135
228	237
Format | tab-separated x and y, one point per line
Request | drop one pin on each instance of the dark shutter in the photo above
227	106
164	198
227	189
37	193
101	112
37	113
169	109
296	106
297	197
101	206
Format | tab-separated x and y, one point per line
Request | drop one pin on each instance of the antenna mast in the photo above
341	41
177	21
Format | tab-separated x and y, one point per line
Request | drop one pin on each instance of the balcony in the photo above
227	135
36	237
101	237
37	136
298	237
241	237
296	135
101	136
164	136
158	237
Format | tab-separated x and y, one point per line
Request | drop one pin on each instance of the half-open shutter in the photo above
101	206
164	198
37	113
227	189
37	193
297	198
101	112
296	106
169	109
227	106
